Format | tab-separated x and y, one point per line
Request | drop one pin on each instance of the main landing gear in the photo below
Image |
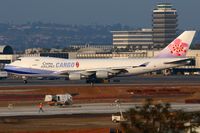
94	80
25	79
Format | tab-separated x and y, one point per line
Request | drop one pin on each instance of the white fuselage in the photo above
43	66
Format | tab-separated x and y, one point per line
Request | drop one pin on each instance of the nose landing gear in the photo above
25	79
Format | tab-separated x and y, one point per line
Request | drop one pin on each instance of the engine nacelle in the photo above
75	76
103	74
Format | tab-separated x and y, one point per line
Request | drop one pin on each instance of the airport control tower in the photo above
164	24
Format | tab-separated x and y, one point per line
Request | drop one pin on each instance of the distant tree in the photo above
159	118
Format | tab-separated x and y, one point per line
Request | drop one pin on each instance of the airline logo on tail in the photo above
179	47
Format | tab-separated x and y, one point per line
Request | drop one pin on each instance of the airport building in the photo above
136	39
111	55
6	55
164	24
36	52
100	46
164	28
64	55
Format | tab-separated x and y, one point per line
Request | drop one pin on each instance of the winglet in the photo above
178	47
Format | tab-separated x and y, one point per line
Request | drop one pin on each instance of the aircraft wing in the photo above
121	68
114	70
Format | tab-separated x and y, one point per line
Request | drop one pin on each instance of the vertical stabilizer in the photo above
178	47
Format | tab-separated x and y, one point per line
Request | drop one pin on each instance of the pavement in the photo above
92	108
133	80
96	108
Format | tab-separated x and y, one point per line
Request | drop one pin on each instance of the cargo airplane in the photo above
171	56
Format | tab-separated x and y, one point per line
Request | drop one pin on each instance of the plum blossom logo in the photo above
178	48
77	64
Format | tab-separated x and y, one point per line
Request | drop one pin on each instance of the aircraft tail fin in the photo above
178	47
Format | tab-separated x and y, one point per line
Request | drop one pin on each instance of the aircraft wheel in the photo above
25	81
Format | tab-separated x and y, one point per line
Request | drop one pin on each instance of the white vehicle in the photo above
173	55
118	118
3	74
59	99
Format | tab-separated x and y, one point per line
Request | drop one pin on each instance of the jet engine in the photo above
103	74
75	76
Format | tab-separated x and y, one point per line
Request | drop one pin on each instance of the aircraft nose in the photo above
6	67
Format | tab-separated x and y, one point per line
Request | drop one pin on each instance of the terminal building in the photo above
164	24
100	46
135	39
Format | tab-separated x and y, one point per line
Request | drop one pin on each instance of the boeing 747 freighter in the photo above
173	55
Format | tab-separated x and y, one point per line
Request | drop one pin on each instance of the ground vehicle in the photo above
3	74
118	118
59	99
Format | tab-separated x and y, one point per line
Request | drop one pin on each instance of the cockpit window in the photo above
19	59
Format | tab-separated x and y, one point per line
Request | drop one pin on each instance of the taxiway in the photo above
133	80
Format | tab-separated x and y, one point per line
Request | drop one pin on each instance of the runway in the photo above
133	80
92	108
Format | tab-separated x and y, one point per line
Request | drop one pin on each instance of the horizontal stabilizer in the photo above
185	61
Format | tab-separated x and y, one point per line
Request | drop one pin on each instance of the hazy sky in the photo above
130	12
